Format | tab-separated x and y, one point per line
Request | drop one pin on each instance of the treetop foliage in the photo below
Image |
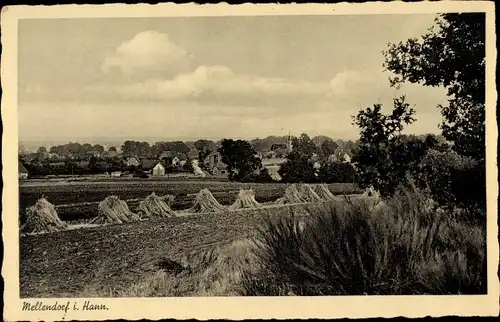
240	158
451	54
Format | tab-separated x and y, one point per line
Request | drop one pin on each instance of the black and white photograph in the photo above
251	155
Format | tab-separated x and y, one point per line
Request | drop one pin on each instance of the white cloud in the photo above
148	51
214	83
349	82
220	86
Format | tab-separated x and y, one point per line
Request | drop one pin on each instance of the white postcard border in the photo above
239	307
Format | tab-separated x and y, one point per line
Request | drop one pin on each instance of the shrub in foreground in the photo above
454	180
407	246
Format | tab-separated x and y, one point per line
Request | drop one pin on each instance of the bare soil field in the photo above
99	260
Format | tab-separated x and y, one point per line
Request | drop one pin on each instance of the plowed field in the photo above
70	263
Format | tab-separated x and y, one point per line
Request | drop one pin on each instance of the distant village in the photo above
138	159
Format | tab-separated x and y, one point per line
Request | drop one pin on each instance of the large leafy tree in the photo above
327	148
173	146
41	151
451	54
132	148
299	167
179	146
99	148
240	158
304	146
204	147
379	140
337	172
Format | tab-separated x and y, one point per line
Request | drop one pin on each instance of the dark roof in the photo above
112	153
30	157
278	146
169	159
22	168
82	164
149	164
193	153
348	152
341	151
182	156
165	154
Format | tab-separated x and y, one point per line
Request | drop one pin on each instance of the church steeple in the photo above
289	145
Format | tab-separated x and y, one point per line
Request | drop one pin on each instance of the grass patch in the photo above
213	271
405	246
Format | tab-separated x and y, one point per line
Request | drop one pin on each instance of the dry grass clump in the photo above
370	204
213	271
245	199
292	195
307	193
405	247
112	210
324	193
371	200
219	269
206	202
42	218
371	192
154	206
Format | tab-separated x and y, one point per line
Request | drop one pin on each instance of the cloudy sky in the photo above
210	77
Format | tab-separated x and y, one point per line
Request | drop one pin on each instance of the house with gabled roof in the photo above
182	159
93	153
132	162
23	172
341	155
193	154
110	154
213	162
148	164
159	169
31	158
166	154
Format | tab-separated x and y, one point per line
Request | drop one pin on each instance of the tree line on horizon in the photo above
133	147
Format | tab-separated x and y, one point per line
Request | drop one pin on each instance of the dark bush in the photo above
140	174
453	180
262	177
337	172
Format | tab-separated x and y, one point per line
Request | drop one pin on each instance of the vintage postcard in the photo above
249	161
